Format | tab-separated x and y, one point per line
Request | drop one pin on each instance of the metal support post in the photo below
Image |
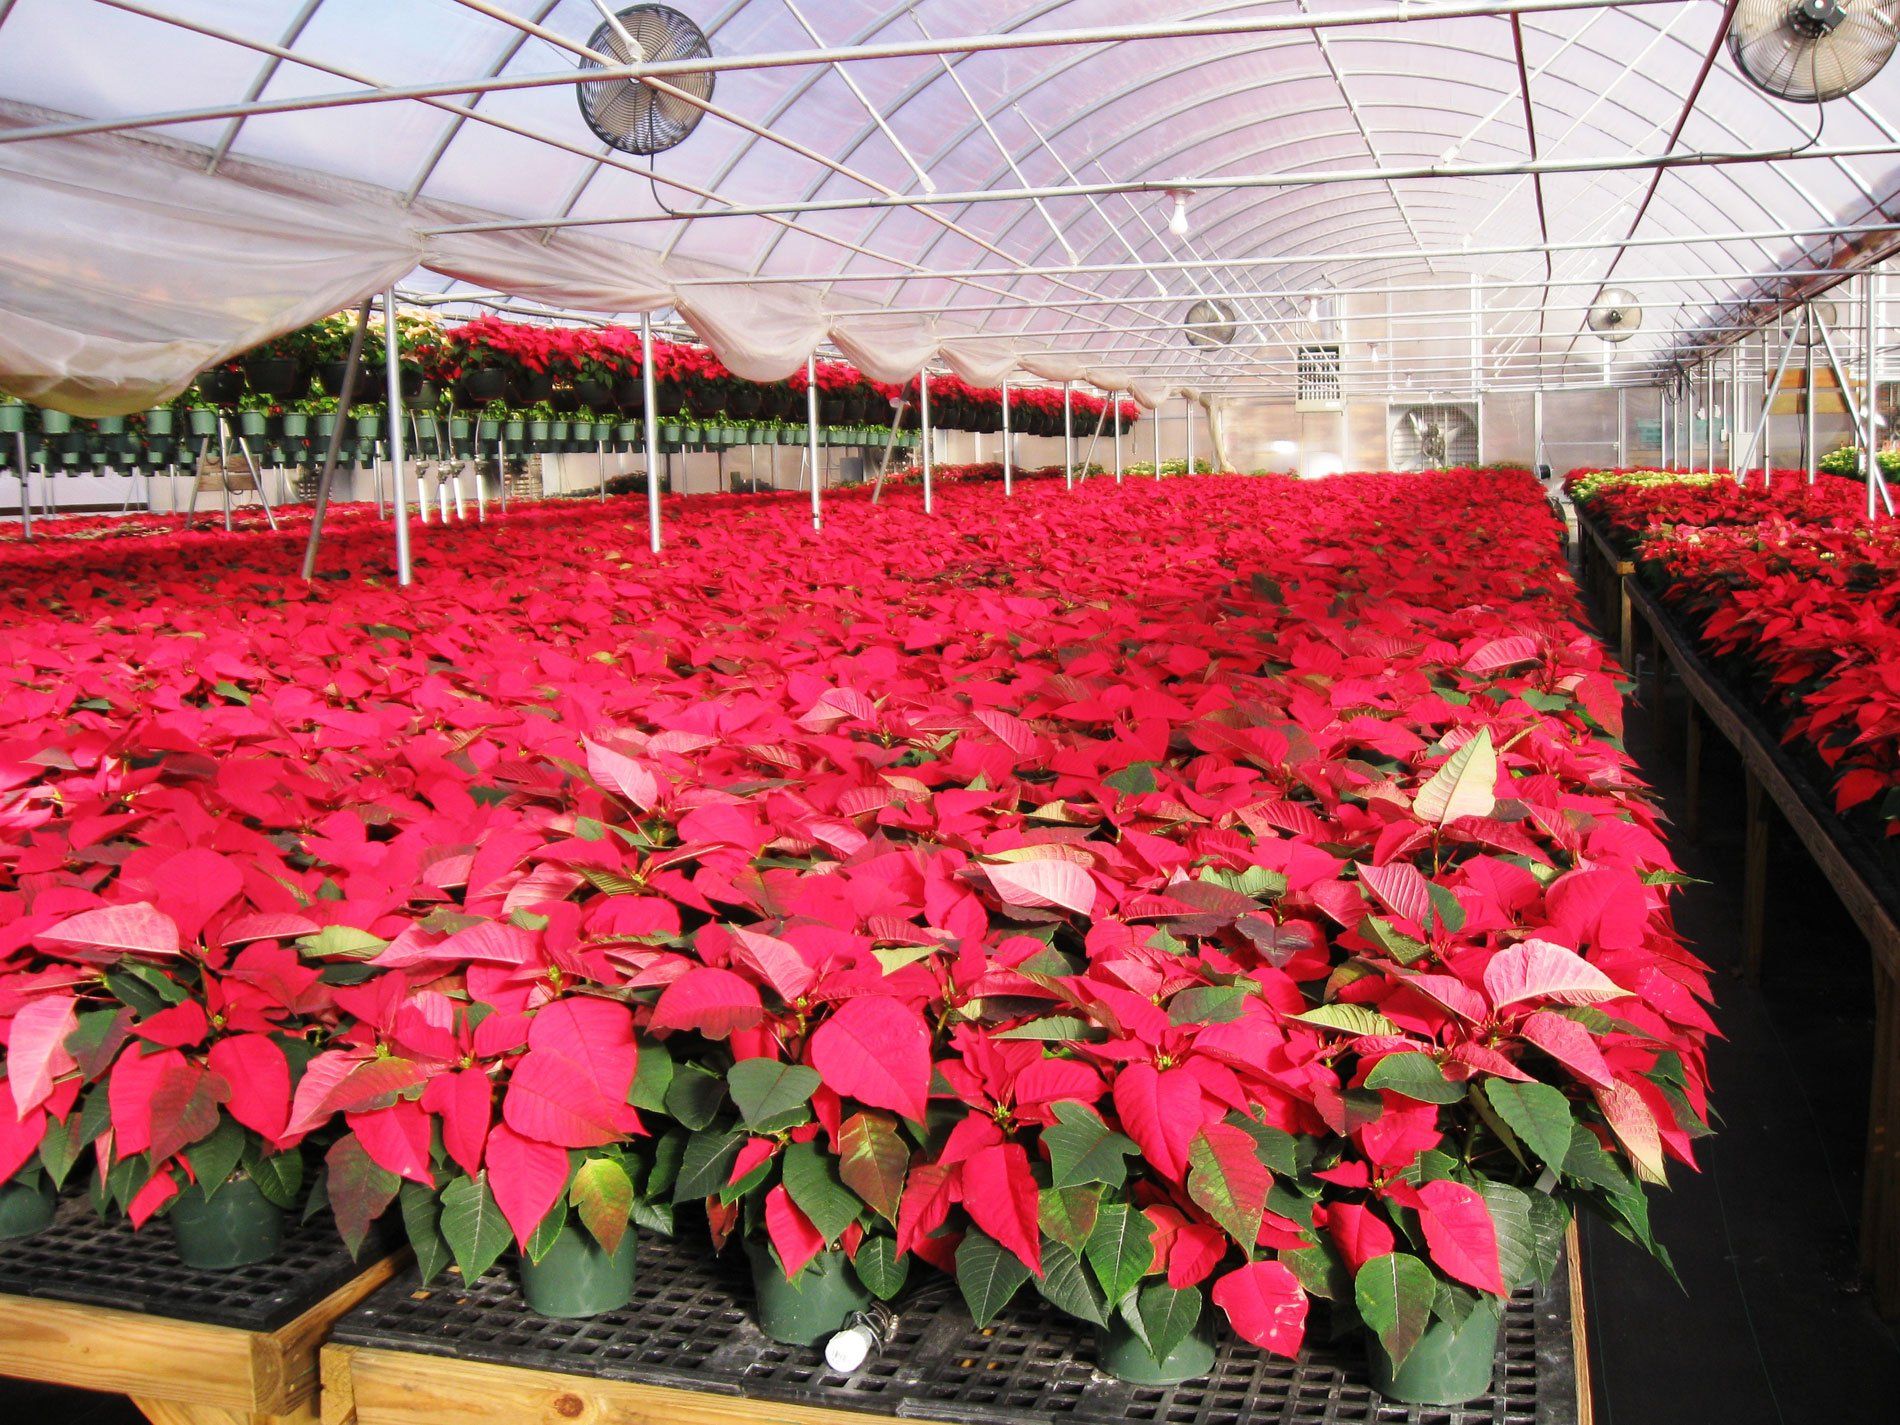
890	445
1068	435
26	485
392	369
650	397
1187	419
1009	449
1807	391
811	440
923	420
1118	440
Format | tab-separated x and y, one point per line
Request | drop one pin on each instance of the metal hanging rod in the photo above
836	54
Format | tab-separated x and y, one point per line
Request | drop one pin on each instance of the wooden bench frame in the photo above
181	1372
1771	775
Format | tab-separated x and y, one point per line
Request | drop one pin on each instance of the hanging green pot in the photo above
158	420
558	430
368	427
1449	1365
425	425
670	433
486	429
578	1277
513	430
55	422
110	425
824	1295
324	423
12	417
627	432
538	431
27	1207
296	425
203	420
251	422
1124	1355
459	427
236	1226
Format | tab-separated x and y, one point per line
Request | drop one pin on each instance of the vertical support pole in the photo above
1187	419
1768	392
1537	428
1870	399
1155	417
501	468
1754	875
1068	435
650	398
1622	427
1807	390
811	439
1009	449
392	368
1626	632
1662	427
1118	440
1734	419
26	485
1709	405
890	444
600	463
923	420
224	470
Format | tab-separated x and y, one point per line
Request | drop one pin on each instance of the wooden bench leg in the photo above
1880	1202
1754	876
1692	774
1658	689
1626	635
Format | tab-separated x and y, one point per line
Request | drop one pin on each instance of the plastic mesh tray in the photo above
689	1328
93	1263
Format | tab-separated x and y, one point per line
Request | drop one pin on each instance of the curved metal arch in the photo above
514	41
265	73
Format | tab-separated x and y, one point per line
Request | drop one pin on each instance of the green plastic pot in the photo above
324	423
670	433
369	427
1448	1366
512	430
27	1207
425	425
460	427
558	430
627	432
158	420
55	422
251	422
110	425
235	1227
1124	1355
577	1277
824	1295
296	425
12	417
537	431
203	420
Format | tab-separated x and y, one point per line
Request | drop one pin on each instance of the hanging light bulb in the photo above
1178	220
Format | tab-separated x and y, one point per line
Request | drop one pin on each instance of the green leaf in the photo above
546	1233
1416	1076
1084	1149
879	1267
1321	1270
343	941
1165	1317
359	1190
214	1157
473	1226
602	1197
811	1177
706	1164
1119	1249
1511	1215
1053	1028
1208	1004
873	1161
771	1095
988	1275
1067	1287
1273	1146
1229	1182
1068	1214
95	1041
1446	914
1537	1113
896	957
653	1076
1134	779
1550	1220
1586	1162
279	1177
668	1149
422	1220
1453	1303
1394	1294
1348	1019
1392	940
695	1096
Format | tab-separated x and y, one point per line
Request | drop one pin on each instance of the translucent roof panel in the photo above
1327	146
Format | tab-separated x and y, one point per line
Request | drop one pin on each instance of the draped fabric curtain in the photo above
126	268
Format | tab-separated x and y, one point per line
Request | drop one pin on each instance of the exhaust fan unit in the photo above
634	117
1615	317
1211	323
1811	51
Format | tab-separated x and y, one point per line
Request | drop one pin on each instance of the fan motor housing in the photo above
1815	18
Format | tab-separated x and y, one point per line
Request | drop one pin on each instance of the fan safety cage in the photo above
634	117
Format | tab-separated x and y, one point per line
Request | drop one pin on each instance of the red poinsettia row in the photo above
1798	592
1225	889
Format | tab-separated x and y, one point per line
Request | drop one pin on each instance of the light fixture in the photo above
1178	219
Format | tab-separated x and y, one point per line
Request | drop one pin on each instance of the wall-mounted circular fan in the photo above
1615	317
1810	51
631	116
1211	323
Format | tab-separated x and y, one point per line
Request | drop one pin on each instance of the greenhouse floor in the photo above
1770	1326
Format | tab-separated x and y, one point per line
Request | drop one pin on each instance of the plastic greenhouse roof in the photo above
1280	130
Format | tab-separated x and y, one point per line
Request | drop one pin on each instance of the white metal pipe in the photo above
877	117
1009	449
649	392
392	369
1187	419
811	440
923	420
1068	435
